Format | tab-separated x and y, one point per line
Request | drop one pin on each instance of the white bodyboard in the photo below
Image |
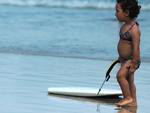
83	91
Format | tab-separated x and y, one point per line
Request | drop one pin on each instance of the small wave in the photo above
107	4
57	52
61	3
102	56
145	6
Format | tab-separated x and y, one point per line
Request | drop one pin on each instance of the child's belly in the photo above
124	49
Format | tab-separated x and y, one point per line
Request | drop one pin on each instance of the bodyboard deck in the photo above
83	91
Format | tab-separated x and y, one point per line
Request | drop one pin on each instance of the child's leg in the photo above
124	84
132	89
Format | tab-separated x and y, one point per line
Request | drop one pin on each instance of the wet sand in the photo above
24	81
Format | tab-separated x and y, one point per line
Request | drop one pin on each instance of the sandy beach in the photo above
26	78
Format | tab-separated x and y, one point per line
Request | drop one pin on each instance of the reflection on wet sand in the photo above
127	110
99	100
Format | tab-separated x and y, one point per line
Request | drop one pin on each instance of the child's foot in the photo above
124	102
132	104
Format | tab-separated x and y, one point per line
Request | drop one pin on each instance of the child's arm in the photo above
135	34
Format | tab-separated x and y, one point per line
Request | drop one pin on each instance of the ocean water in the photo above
66	28
48	43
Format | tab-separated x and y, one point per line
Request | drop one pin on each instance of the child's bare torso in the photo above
124	49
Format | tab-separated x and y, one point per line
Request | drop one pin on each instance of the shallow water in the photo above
25	80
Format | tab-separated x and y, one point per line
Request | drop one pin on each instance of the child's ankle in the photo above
129	98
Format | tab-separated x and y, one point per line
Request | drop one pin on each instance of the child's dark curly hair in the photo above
131	6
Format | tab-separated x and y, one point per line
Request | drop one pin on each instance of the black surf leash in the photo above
107	77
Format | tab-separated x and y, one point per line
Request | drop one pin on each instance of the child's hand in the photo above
132	67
